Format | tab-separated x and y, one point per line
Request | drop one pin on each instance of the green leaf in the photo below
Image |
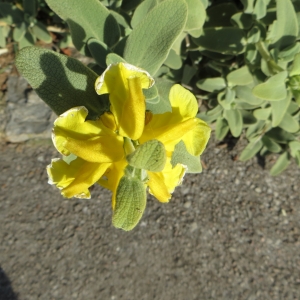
253	35
41	32
188	74
227	40
220	14
248	118
196	15
141	11
262	113
286	26
281	164
182	156
293	107
151	95
242	20
130	203
248	6
222	128
288	54
280	136
11	14
87	19
273	89
173	60
163	105
296	66
295	147
99	51
150	156
226	99
260	9
128	5
270	144
2	36
150	41
251	149
235	121
62	82
240	76
28	40
255	129
289	124
113	58
279	108
19	31
29	7
245	94
212	84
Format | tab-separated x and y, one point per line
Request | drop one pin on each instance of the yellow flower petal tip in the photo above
110	79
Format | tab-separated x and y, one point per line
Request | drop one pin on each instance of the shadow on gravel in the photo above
6	291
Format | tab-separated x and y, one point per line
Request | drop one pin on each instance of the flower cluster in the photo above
128	148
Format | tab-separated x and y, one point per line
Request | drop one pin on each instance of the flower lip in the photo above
100	80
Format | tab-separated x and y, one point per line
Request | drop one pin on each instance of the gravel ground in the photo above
231	232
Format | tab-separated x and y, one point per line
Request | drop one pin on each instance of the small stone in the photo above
194	226
187	204
258	190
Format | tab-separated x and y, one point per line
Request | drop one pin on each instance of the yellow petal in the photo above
197	139
74	179
162	184
133	114
184	103
98	149
112	177
169	135
124	83
157	187
72	124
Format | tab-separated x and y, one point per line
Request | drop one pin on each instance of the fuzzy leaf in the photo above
87	19
251	149
211	84
281	164
235	121
295	147
262	113
182	156
62	82
279	108
270	144
273	89
150	41
240	76
41	32
141	11
286	27
196	15
226	40
99	51
289	124
222	128
150	156
130	203
163	104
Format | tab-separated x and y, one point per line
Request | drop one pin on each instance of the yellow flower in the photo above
161	184
124	83
179	124
169	128
97	144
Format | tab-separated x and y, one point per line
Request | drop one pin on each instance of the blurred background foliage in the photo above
241	58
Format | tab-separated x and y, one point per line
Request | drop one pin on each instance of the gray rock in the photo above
28	117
